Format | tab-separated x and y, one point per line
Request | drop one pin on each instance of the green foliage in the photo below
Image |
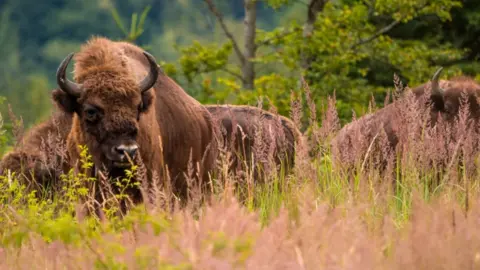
136	24
4	135
407	10
349	52
199	58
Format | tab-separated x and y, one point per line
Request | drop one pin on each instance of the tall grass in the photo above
414	207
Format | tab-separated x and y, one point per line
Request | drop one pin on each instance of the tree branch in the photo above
376	35
286	33
382	31
371	7
229	35
233	73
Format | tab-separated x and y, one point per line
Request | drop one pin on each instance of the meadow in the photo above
421	214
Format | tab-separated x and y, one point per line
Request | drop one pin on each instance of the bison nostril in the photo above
130	150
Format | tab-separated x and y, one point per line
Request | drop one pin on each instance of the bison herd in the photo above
124	109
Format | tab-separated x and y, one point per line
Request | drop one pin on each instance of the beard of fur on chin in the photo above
109	177
108	170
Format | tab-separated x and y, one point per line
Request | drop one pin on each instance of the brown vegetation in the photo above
226	236
323	221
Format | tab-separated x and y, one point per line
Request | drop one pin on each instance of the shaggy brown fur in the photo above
250	131
448	103
382	127
40	157
168	125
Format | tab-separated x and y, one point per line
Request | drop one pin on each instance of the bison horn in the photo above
152	76
436	90
66	85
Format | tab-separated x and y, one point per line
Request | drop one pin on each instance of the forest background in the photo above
238	51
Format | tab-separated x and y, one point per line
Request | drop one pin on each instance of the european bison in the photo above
249	131
443	101
40	157
123	104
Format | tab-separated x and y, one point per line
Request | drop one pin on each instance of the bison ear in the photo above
64	101
147	100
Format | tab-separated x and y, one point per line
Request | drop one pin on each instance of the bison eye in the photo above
91	113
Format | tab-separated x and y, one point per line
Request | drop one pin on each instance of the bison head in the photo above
109	104
446	97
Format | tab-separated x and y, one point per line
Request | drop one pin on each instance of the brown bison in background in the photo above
40	157
123	104
381	132
250	132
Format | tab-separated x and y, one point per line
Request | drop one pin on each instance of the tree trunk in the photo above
314	7
248	68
